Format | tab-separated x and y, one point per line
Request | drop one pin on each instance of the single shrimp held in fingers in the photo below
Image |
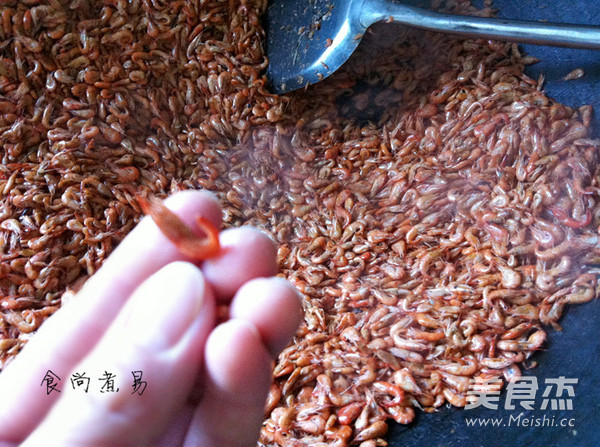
185	239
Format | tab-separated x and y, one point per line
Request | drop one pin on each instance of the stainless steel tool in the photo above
308	40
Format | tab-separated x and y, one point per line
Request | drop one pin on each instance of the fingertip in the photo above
238	372
273	306
191	203
246	253
237	361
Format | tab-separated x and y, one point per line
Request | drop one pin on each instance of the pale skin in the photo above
151	309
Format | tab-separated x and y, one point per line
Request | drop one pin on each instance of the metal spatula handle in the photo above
542	33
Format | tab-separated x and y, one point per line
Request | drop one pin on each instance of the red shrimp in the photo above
186	240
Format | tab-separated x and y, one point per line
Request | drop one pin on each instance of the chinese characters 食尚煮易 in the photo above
80	381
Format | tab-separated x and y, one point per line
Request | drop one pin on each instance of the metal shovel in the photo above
308	40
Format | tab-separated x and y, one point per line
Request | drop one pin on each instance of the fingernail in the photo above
163	308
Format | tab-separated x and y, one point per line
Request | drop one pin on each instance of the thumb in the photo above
160	334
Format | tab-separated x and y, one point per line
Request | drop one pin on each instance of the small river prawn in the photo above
185	239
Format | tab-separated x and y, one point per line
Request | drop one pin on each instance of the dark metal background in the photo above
574	353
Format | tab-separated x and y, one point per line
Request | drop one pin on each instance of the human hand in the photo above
150	309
